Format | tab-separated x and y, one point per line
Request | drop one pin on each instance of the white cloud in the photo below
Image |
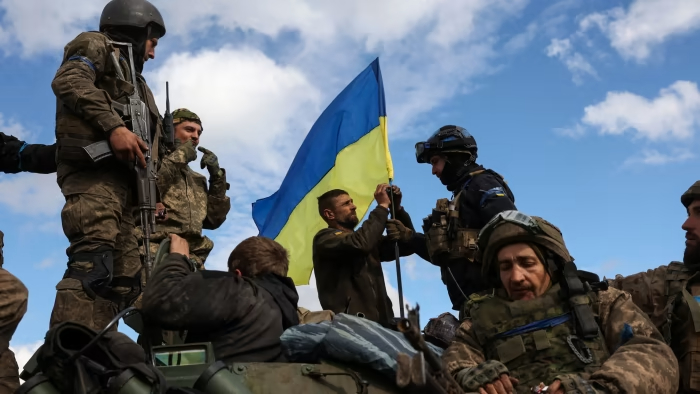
31	194
13	128
24	352
575	131
522	40
646	24
654	157
574	61
673	115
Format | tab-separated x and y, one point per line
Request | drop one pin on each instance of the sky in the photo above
589	109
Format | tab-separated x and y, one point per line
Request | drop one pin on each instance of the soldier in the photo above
188	205
478	195
13	306
347	262
18	156
541	324
93	86
669	295
242	317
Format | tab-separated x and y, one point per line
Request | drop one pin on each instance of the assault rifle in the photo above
136	115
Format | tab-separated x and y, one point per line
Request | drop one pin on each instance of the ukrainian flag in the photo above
347	148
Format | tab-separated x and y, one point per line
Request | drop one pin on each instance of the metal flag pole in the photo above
396	251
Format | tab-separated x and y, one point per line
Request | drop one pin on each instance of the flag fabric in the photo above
347	148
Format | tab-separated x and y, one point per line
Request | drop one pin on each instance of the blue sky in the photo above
589	110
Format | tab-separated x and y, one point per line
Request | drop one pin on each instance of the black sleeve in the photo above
490	196
416	245
17	156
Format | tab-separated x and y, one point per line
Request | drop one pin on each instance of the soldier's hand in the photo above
161	212
179	245
381	196
210	161
397	196
489	377
570	383
127	146
187	148
503	385
396	231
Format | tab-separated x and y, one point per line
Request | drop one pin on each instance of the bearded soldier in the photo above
543	324
478	195
670	295
188	204
95	91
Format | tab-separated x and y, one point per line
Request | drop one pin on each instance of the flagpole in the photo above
396	251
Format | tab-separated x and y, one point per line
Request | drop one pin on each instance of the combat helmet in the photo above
691	194
447	139
509	227
132	13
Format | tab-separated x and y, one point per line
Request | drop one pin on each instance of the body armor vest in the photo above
682	327
535	338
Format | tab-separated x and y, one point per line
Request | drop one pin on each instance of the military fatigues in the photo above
190	205
243	318
629	357
17	156
348	267
480	195
98	215
669	295
13	306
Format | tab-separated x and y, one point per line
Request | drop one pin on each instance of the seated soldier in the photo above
258	256
525	332
242	317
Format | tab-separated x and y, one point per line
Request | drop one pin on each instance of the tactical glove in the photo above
396	231
472	378
575	384
186	149
210	161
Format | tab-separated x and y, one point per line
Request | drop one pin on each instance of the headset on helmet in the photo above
132	13
446	139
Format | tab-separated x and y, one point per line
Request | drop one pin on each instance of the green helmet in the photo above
509	227
691	194
182	114
132	13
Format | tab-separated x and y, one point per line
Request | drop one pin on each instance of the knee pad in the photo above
96	281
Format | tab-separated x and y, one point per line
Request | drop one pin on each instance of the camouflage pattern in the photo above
13	306
190	204
643	363
182	114
473	378
97	213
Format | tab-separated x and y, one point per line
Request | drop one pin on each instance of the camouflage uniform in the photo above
13	306
104	260
190	205
666	295
533	338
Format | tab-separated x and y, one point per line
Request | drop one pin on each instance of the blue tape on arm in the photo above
84	60
496	191
19	155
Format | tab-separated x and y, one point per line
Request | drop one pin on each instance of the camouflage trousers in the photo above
98	214
13	306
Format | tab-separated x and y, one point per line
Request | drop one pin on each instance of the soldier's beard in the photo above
691	256
349	222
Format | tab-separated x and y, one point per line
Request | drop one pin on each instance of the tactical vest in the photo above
535	338
682	327
73	132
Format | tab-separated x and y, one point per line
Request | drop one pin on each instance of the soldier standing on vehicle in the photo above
347	262
93	86
478	195
670	295
18	156
541	324
188	204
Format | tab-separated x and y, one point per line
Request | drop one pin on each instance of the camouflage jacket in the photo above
662	294
17	156
90	96
348	266
191	206
640	364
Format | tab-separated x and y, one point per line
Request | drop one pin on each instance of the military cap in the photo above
691	194
182	114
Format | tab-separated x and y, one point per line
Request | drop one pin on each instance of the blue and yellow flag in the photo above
347	148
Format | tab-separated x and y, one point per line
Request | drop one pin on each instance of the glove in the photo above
186	149
396	231
575	384
210	161
472	378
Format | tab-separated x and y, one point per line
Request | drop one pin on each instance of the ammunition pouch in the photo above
446	239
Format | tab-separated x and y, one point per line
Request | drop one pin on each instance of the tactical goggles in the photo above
514	217
424	149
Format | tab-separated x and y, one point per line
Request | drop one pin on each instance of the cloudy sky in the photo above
588	108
